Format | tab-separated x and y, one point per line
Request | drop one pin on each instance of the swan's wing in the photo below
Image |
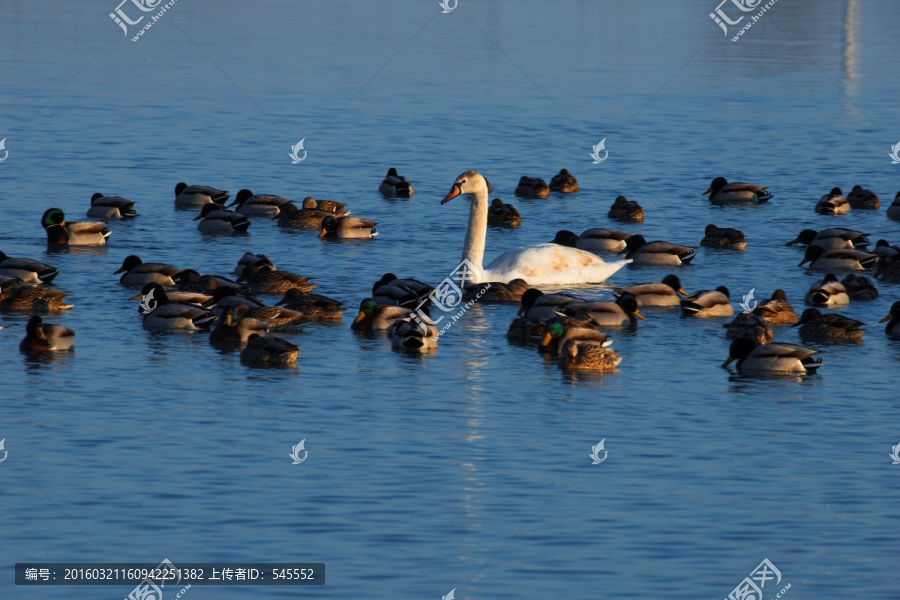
551	264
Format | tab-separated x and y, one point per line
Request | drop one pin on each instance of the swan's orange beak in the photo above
454	192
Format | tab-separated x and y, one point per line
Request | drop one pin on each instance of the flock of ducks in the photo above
560	324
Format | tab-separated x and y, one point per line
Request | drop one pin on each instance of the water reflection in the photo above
851	49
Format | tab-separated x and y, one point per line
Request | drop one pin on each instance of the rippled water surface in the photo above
467	469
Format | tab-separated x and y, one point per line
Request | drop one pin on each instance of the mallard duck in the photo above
220	221
503	215
556	334
374	316
496	292
888	269
136	272
196	196
191	281
263	280
29	271
833	203
708	303
330	206
267	206
893	320
828	292
748	325
111	207
564	183
389	290
86	233
596	239
887	252
313	307
236	327
656	294
257	260
532	187
41	337
176	296
778	357
657	252
348	228
608	314
831	327
306	218
410	334
161	313
30	299
859	287
278	318
525	330
821	259
776	310
532	330
723	237
722	192
587	356
834	238
864	199
535	304
269	350
893	210
224	298
395	186
623	209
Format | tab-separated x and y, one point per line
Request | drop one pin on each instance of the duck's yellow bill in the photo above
727	362
546	340
884	320
322	233
707	191
682	292
638	314
802	262
793	241
359	317
138	297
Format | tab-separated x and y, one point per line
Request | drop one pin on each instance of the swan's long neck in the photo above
473	251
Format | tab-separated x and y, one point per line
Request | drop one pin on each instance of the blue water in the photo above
467	469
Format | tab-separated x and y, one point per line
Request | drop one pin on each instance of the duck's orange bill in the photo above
454	192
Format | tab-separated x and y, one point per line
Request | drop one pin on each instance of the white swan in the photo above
542	264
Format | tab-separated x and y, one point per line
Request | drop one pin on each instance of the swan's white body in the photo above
542	264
